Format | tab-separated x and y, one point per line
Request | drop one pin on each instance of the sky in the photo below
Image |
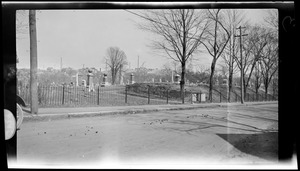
80	39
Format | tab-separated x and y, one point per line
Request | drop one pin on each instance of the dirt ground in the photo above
225	135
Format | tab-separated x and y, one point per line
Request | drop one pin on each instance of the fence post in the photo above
63	94
148	94
220	97
126	94
167	96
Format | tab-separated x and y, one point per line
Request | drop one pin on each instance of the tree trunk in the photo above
274	88
33	63
229	85
113	76
182	82
245	89
121	75
256	90
266	89
211	79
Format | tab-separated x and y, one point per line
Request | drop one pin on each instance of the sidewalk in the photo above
47	114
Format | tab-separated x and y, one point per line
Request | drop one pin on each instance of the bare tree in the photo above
180	32
234	18
275	84
121	74
257	78
272	19
272	24
254	45
116	60
216	41
203	68
269	61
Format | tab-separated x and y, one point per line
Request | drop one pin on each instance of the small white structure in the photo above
194	97
176	79
202	97
76	76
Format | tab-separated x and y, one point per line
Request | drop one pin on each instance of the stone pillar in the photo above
131	78
104	79
90	83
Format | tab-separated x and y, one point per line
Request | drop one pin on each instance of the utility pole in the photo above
138	71
241	63
33	63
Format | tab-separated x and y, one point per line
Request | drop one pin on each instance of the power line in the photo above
146	18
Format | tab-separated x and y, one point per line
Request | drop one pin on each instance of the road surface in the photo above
223	135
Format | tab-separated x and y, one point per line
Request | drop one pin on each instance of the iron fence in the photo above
63	95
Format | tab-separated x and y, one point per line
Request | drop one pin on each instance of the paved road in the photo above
232	134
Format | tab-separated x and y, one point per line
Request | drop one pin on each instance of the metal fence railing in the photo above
118	95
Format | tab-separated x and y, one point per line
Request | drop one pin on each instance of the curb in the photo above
50	117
